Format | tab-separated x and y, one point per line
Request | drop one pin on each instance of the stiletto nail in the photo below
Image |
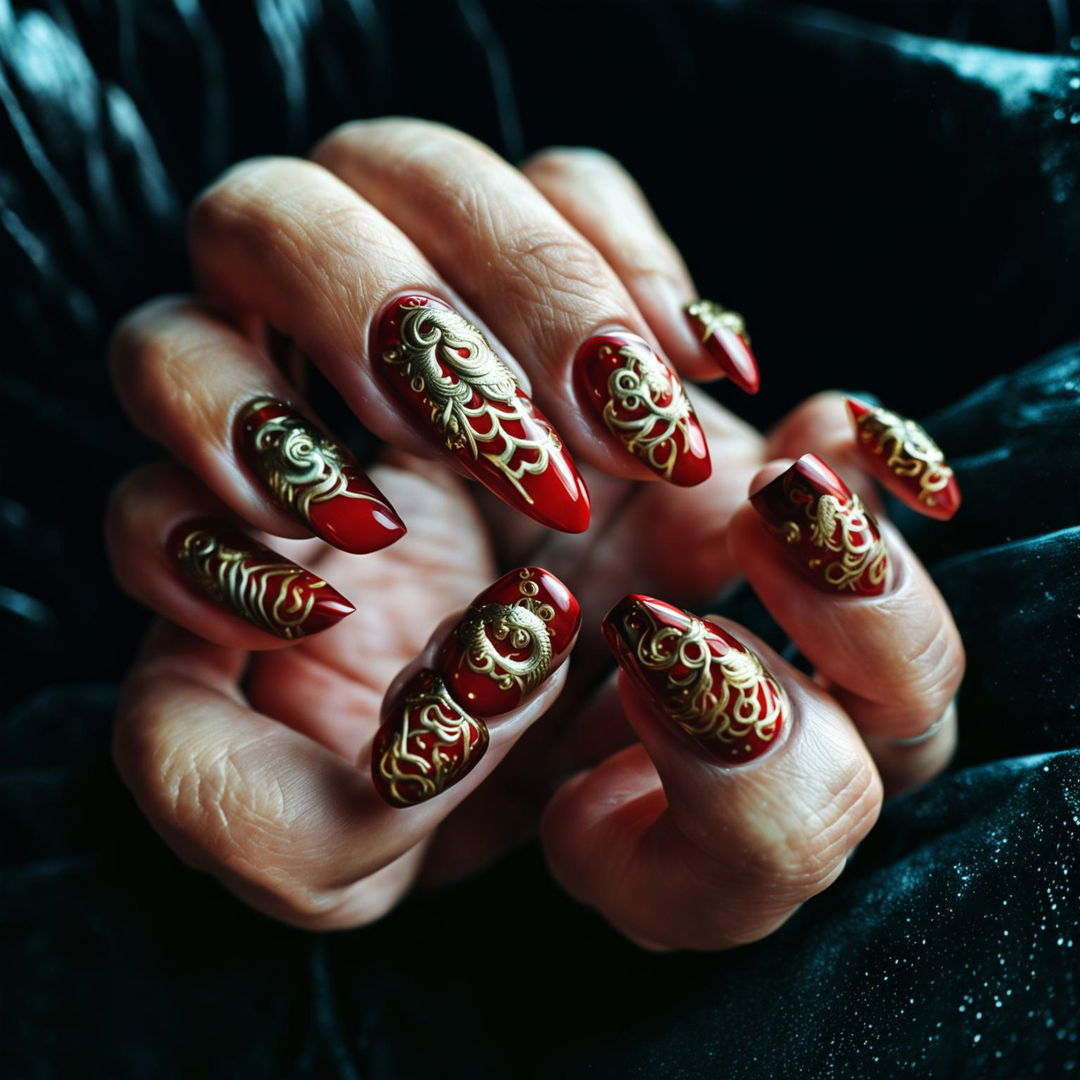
316	478
445	372
904	458
698	676
425	744
830	536
253	582
723	333
514	636
643	404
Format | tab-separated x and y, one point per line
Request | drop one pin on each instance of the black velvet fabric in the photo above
888	192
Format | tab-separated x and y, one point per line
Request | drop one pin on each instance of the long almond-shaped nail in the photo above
426	743
642	403
446	373
515	634
723	334
697	675
511	639
316	478
253	582
822	524
905	459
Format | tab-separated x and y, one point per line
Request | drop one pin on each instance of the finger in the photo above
600	199
560	307
220	405
174	547
294	828
857	603
863	440
748	792
287	240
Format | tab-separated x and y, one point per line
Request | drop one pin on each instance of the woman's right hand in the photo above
258	785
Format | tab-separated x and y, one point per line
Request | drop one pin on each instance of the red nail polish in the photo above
515	635
905	459
445	372
723	333
425	744
316	478
699	676
253	582
827	531
642	403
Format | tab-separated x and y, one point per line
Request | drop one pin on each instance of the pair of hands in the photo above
244	753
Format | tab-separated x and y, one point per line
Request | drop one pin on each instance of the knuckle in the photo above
803	860
575	163
542	260
243	198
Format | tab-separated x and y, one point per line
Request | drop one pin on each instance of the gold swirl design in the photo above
521	625
471	392
848	530
300	464
414	772
636	386
907	449
711	315
270	595
745	700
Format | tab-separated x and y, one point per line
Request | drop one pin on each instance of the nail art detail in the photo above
426	743
904	457
699	676
723	333
317	478
831	537
643	404
255	583
443	368
516	633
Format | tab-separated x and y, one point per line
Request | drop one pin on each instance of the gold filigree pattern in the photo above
300	464
845	529
745	699
711	315
276	596
472	394
637	386
520	625
435	744
907	450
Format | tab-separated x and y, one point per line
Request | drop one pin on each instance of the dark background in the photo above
887	191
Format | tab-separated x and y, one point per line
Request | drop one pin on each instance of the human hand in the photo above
185	374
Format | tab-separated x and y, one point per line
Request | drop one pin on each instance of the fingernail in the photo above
904	458
445	372
253	582
425	744
829	535
513	637
723	333
702	679
316	478
642	403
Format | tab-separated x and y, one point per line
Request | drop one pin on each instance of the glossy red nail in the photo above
905	459
445	372
316	478
515	634
642	403
425	744
253	582
829	535
723	333
700	677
